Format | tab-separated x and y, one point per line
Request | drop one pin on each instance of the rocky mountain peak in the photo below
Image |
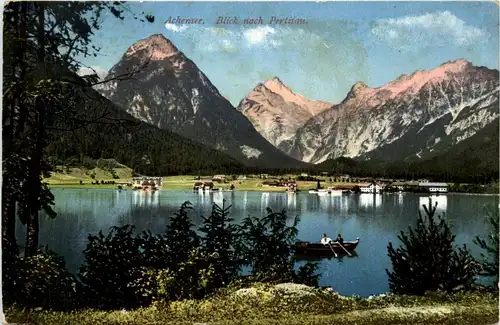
277	112
358	86
156	46
275	80
456	65
356	89
276	85
409	83
412	83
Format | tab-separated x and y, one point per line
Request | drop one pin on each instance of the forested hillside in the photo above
474	160
141	146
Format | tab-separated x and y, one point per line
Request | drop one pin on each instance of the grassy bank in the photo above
250	184
71	177
83	178
296	304
186	182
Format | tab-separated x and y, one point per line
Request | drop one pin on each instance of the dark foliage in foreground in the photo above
267	246
427	260
42	281
111	264
220	241
127	270
491	246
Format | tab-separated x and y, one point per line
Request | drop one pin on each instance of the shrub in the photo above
87	162
111	263
427	261
42	280
152	284
124	270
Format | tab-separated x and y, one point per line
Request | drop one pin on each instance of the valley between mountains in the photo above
416	117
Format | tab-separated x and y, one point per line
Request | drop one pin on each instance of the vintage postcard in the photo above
250	162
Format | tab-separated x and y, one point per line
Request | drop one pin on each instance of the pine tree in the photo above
491	246
427	260
43	41
182	245
268	247
181	239
219	244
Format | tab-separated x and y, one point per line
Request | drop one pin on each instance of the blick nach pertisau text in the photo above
234	20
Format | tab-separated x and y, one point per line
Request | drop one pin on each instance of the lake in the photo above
376	219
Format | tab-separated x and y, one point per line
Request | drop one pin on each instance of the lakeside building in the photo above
400	186
434	187
346	187
405	185
198	178
370	188
124	183
219	178
208	186
147	182
292	187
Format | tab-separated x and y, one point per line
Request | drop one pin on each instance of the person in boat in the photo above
325	240
340	240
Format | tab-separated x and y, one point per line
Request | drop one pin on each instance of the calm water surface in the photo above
376	219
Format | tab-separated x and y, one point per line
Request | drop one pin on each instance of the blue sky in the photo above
342	43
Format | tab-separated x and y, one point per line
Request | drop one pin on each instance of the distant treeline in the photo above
450	171
151	151
432	170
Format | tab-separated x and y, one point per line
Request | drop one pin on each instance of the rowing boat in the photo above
318	249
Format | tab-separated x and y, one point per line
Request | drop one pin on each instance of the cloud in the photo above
101	72
437	28
176	28
258	35
213	39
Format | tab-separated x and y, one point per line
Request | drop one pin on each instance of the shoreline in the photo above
250	184
243	189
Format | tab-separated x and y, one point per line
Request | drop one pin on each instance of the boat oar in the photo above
332	250
344	249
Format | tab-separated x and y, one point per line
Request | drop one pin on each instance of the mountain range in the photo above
414	118
171	93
